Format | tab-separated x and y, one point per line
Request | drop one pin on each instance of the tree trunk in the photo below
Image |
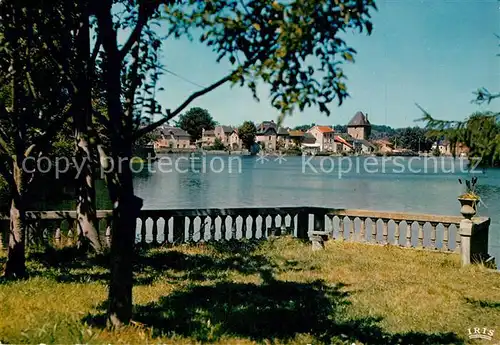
16	265
126	206
82	119
125	211
85	204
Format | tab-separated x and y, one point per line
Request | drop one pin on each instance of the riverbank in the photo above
277	291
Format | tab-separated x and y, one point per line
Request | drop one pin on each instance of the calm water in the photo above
416	184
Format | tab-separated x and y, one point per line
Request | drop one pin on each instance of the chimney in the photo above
366	117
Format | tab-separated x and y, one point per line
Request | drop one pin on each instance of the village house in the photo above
282	138
207	137
342	144
294	139
228	136
384	146
267	135
359	127
325	137
446	149
172	138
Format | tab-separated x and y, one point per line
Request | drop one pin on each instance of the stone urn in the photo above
469	206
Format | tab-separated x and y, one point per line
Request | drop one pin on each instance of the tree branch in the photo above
180	108
142	19
95	51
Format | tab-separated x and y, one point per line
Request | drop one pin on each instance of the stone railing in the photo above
158	227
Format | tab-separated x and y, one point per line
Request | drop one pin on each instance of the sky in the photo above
435	53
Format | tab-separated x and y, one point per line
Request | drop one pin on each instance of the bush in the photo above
436	152
293	152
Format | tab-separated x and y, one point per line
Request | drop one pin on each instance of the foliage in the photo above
412	138
218	145
194	121
382	132
247	132
480	133
436	152
470	188
295	151
304	128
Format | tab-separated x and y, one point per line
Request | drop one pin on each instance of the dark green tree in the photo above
218	145
194	121
34	104
412	138
304	128
246	132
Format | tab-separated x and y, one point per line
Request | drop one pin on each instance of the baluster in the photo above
352	232
277	230
154	230
420	234
69	236
179	229
458	241
57	236
385	231
362	230
341	228
396	233
446	233
266	229
108	231
143	230
433	235
108	236
408	233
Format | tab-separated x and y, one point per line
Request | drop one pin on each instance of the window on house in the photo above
269	138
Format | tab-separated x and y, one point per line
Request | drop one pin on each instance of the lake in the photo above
407	184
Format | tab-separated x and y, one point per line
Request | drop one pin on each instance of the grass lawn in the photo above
245	293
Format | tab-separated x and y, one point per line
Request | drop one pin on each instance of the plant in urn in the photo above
469	199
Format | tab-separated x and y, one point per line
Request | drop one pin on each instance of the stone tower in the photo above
359	127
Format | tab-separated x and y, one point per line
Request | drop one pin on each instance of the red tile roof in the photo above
342	140
325	129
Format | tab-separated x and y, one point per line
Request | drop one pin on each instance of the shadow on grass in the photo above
275	310
483	304
69	264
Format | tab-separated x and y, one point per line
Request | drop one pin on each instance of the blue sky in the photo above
435	53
